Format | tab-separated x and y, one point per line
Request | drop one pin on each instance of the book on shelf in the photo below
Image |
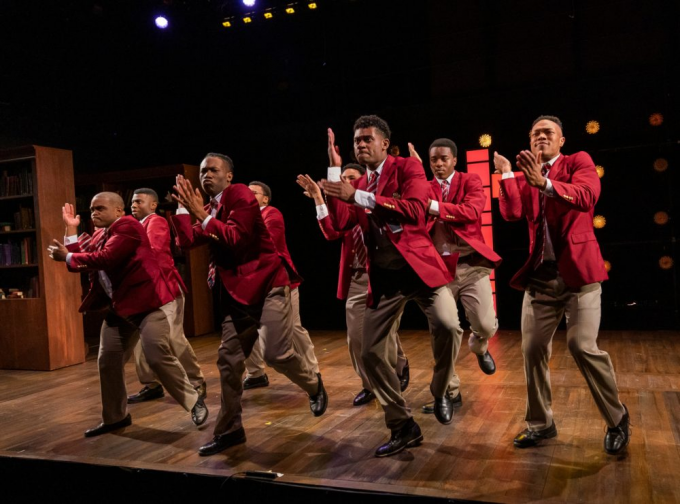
24	218
17	184
18	251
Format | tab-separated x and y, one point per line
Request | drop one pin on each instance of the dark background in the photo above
98	78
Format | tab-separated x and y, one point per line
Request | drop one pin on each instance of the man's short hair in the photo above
266	190
227	160
354	166
146	190
445	142
373	121
554	119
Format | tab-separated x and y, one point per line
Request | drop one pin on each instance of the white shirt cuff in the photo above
181	211
364	199
549	189
434	207
70	240
68	258
204	224
321	211
507	175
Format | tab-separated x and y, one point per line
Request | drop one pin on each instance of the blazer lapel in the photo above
386	174
454	188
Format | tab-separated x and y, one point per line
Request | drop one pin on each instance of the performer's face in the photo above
262	200
370	146
143	205
104	212
215	175
350	174
442	162
546	137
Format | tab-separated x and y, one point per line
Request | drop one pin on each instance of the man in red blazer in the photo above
143	208
273	220
556	193
125	278
455	224
252	285
390	206
353	283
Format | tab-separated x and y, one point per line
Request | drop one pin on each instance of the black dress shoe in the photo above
319	402
429	407
486	363
443	409
222	442
260	381
146	394
528	438
617	438
406	437
199	413
202	390
363	397
404	377
103	428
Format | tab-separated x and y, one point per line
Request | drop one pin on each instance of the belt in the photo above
470	257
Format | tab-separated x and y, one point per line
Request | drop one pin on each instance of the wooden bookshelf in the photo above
44	330
192	265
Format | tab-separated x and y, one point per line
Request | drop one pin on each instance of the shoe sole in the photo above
410	444
208	454
531	445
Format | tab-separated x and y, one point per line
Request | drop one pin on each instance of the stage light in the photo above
247	19
661	165
656	119
226	24
592	127
312	5
608	266
290	10
485	140
161	22
661	218
599	222
600	171
666	262
249	3
268	15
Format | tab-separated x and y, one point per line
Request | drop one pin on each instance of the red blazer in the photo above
247	261
273	219
401	198
569	215
463	213
346	253
131	265
158	231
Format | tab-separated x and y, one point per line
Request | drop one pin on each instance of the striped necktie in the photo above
372	182
359	246
541	229
445	190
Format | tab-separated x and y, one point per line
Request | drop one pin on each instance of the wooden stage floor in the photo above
43	415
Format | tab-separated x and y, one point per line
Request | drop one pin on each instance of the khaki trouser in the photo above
301	341
117	340
393	289
179	345
273	322
545	302
355	308
473	287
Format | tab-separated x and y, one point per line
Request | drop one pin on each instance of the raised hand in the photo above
71	220
501	163
312	189
189	198
412	152
530	164
334	158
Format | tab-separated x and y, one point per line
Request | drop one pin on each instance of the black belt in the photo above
470	257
